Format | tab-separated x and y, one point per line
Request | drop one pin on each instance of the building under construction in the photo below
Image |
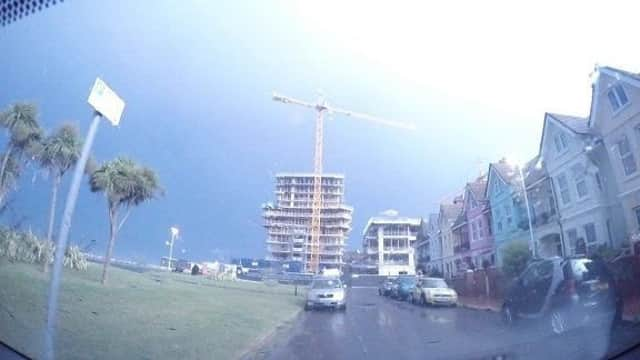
288	221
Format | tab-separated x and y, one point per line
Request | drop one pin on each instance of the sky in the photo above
474	77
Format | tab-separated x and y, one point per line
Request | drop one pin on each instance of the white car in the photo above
326	292
433	291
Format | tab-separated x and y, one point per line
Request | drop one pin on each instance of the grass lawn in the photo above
141	316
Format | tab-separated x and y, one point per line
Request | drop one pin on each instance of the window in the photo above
590	233
496	187
572	237
564	189
560	141
636	210
626	156
581	187
617	97
499	225
598	181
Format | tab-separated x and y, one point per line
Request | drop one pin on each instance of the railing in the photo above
396	250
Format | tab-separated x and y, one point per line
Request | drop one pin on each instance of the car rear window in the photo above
434	283
326	284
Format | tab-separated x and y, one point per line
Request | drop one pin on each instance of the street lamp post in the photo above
174	234
532	244
106	104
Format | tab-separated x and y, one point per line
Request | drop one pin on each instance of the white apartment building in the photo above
388	244
288	221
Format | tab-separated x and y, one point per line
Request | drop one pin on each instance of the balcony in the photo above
461	248
278	250
396	250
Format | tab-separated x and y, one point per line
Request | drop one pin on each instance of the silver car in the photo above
326	293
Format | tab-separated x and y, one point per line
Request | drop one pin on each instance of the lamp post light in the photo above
175	232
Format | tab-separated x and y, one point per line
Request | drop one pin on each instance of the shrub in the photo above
515	257
26	247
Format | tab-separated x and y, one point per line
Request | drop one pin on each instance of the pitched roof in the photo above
507	172
478	187
460	220
578	125
623	72
450	212
533	172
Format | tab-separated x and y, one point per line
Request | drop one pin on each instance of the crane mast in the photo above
322	109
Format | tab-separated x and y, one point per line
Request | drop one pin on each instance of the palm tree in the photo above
59	153
21	122
125	184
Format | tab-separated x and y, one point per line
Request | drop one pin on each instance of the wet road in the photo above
375	327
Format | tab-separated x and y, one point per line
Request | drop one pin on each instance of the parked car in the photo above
565	293
433	291
402	287
385	287
326	292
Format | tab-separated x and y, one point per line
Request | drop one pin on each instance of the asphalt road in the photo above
375	327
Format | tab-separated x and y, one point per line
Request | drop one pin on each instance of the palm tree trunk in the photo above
113	230
52	212
3	169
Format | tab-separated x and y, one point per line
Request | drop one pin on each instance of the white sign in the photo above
106	102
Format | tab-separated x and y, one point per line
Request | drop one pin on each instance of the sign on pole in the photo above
106	102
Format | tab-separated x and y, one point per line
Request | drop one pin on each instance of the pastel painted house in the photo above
509	221
478	213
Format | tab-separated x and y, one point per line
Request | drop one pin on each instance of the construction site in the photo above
288	221
309	222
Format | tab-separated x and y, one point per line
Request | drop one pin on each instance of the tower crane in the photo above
322	108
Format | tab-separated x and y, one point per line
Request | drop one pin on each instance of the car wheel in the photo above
507	315
559	322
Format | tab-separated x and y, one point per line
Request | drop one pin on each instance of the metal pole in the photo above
526	201
173	237
61	247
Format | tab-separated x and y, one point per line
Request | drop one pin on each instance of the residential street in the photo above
375	327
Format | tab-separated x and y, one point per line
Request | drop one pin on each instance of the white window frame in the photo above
595	233
628	154
619	104
578	180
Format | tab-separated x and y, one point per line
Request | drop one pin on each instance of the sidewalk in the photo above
631	308
480	303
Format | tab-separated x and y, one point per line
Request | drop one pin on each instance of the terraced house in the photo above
615	120
583	182
478	213
460	234
547	229
446	218
428	248
508	213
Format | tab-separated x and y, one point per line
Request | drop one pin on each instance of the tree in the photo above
125	184
25	134
515	257
60	152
